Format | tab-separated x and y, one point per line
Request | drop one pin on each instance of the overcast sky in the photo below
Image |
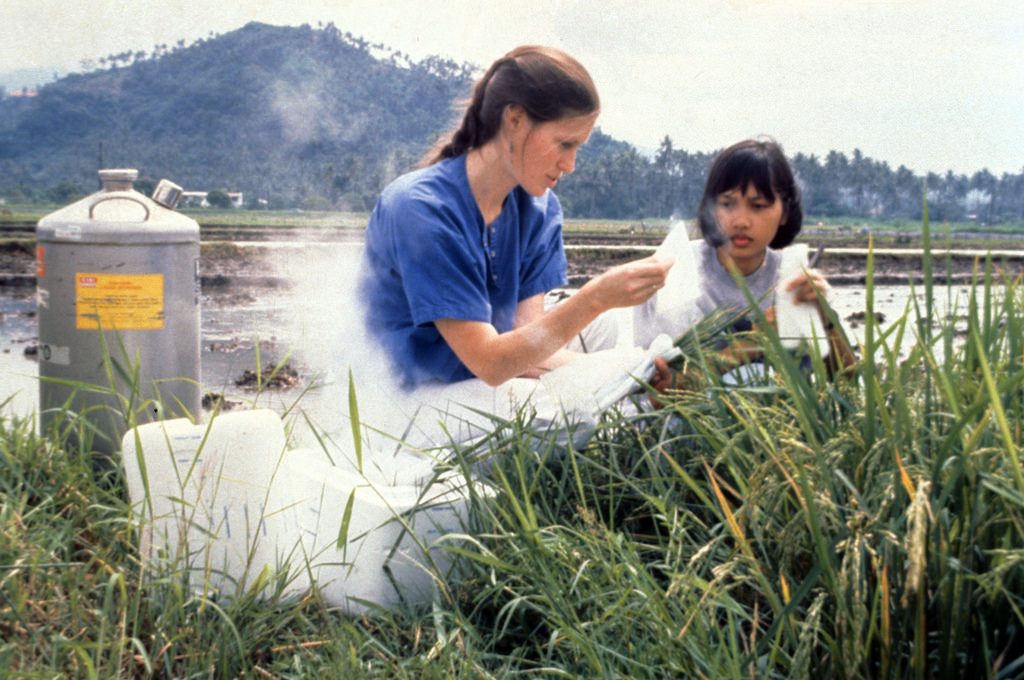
930	84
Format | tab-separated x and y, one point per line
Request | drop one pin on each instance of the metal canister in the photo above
118	310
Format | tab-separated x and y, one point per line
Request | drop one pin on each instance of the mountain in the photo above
294	115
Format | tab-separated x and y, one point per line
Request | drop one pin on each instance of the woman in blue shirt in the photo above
459	253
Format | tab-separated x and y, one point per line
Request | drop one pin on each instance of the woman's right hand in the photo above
632	283
496	357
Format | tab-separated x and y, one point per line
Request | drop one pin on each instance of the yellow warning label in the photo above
119	301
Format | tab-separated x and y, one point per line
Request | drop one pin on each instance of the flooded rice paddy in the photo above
292	305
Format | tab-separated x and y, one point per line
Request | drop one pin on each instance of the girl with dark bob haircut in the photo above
749	212
759	163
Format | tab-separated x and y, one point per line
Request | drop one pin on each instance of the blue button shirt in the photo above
429	256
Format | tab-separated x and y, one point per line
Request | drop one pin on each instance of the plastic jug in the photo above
370	544
206	506
229	502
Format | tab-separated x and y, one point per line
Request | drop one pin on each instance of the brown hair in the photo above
546	82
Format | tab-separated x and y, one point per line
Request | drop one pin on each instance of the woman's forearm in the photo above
528	349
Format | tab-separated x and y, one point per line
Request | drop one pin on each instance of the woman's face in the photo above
749	222
540	153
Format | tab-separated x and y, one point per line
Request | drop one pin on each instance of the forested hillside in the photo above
314	117
294	115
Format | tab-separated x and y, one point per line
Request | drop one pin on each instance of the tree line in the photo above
622	183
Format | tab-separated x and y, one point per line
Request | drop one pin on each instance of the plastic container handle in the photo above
123	195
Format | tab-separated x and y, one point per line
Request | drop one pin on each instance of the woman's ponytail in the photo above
466	136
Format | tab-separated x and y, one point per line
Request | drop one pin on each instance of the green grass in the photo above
861	527
645	226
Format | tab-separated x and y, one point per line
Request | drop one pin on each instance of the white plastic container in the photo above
229	502
389	552
206	506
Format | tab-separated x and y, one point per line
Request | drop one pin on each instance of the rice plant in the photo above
857	527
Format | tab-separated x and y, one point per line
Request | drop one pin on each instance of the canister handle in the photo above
123	195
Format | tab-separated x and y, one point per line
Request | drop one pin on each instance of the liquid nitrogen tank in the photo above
118	310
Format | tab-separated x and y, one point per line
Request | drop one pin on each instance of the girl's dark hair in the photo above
546	82
760	162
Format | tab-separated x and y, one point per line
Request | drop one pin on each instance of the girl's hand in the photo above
662	379
661	382
630	284
742	350
807	286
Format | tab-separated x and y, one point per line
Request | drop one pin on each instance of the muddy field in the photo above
264	302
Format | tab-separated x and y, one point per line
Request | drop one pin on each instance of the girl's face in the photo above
540	153
749	222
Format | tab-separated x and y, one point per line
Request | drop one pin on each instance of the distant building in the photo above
198	198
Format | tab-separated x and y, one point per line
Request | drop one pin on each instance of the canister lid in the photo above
118	179
167	194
